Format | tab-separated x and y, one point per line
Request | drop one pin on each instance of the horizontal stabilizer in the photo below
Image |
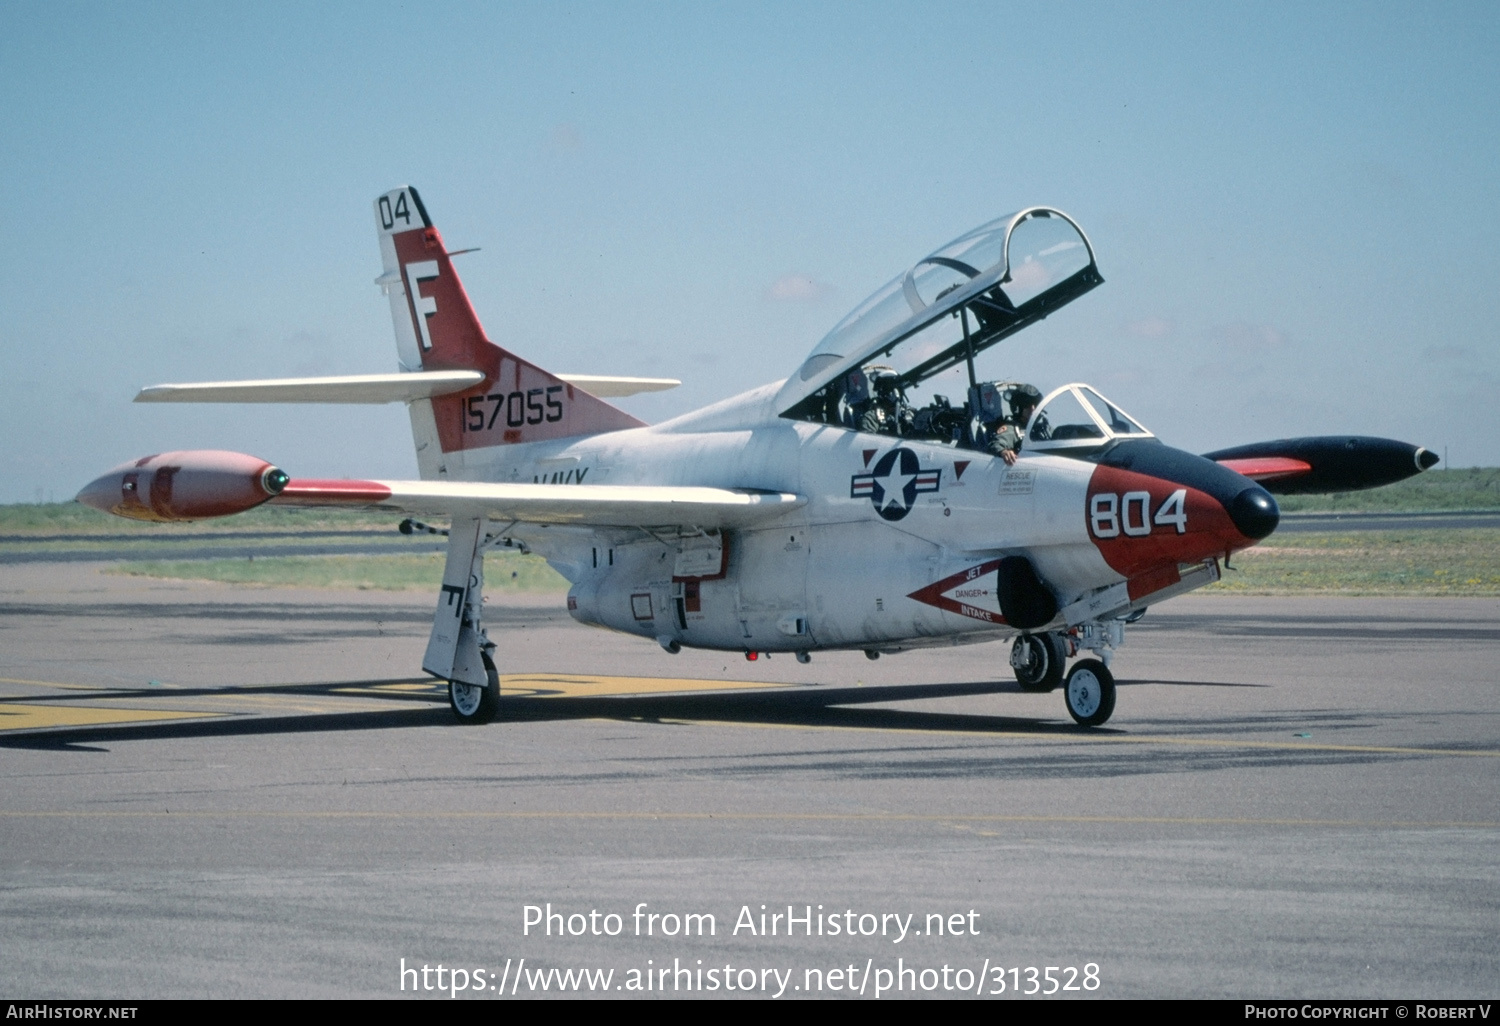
374	388
352	388
612	388
1326	463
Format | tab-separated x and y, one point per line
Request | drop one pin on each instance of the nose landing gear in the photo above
1089	688
1090	693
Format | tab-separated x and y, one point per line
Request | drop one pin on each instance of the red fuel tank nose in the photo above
192	485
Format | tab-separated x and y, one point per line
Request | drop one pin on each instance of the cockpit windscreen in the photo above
1075	420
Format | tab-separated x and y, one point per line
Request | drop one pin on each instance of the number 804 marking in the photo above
1111	514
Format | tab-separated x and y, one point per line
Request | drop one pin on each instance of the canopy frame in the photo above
982	296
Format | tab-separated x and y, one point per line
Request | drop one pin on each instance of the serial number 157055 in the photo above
533	406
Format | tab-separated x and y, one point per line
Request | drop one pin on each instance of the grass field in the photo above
43	519
1432	492
1443	562
503	571
1440	562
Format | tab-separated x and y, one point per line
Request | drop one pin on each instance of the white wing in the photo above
593	505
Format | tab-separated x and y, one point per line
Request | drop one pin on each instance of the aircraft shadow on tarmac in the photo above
827	707
852	708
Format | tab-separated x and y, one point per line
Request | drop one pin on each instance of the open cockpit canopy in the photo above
982	287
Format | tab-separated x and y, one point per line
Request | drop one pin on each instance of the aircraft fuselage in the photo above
899	544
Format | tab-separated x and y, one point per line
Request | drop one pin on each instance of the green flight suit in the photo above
1007	438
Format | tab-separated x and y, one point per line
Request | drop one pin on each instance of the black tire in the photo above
1090	693
1042	670
475	705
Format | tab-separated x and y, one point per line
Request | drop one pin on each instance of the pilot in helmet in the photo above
1006	436
886	410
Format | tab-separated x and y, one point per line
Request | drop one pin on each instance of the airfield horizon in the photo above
288	547
1435	491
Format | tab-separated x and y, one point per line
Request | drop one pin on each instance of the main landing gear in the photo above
1038	661
1088	688
458	650
472	704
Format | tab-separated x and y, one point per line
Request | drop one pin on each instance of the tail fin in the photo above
436	329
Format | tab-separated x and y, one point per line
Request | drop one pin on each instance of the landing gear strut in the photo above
1038	661
458	650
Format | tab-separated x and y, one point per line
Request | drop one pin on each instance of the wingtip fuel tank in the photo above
1326	463
189	485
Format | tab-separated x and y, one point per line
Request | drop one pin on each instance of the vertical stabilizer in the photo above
437	329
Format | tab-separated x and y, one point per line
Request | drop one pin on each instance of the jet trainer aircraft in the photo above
827	511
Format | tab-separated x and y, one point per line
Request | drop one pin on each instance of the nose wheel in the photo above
1038	661
1090	692
472	704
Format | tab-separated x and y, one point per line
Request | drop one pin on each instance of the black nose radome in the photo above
1427	459
1254	512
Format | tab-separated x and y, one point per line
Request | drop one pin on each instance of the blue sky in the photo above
1294	206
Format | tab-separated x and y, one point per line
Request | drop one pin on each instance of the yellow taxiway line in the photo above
58	684
574	685
31	717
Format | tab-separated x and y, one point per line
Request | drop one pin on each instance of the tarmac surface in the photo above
251	792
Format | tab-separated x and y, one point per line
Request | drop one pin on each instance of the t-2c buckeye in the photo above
828	511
